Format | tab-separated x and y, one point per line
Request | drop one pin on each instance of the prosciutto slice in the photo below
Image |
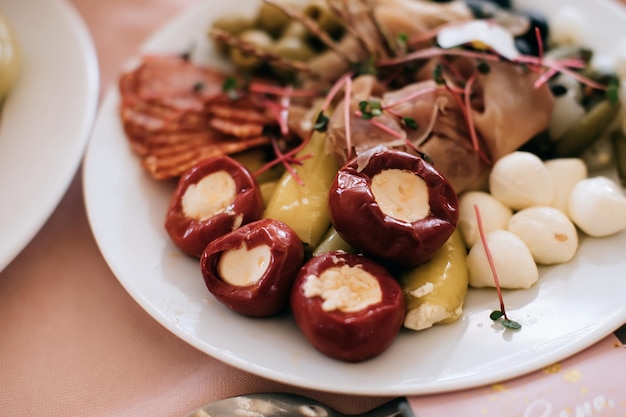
512	109
441	131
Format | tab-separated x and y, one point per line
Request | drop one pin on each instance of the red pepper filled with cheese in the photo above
213	198
251	269
348	306
393	206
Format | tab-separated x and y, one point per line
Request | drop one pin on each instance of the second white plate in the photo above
47	118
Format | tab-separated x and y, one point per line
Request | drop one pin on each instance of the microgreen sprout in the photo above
321	123
370	109
612	91
403	42
410	123
438	75
229	86
496	314
287	159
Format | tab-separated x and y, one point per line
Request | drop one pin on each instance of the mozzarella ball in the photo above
549	234
598	206
565	173
493	213
520	179
513	261
568	26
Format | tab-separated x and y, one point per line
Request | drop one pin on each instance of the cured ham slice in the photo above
513	110
175	114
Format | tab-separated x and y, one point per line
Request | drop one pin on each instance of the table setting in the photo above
101	314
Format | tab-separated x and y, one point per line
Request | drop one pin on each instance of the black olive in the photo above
558	90
485	9
541	145
503	4
536	22
482	9
524	47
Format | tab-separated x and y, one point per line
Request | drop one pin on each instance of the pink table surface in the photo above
72	341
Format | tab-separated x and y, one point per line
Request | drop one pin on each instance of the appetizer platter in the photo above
42	142
210	247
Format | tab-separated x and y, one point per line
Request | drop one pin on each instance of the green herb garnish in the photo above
438	75
612	91
321	123
496	314
370	109
410	123
230	88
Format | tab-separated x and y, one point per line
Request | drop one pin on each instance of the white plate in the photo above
46	121
572	307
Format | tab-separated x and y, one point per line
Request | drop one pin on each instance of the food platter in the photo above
46	121
573	306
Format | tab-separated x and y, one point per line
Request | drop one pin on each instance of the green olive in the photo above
580	136
296	30
618	141
257	38
292	48
272	19
234	25
319	12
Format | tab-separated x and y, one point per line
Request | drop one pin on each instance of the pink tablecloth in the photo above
72	341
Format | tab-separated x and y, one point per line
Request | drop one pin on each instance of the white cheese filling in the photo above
344	288
401	194
209	196
242	266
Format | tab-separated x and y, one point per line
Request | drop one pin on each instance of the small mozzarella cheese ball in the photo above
549	234
566	173
493	213
598	206
514	263
568	26
520	179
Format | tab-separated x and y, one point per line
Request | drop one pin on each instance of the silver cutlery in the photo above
281	404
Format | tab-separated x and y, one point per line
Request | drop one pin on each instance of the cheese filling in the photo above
209	196
242	266
401	194
344	288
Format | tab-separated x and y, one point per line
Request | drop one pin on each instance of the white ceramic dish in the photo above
572	307
47	118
